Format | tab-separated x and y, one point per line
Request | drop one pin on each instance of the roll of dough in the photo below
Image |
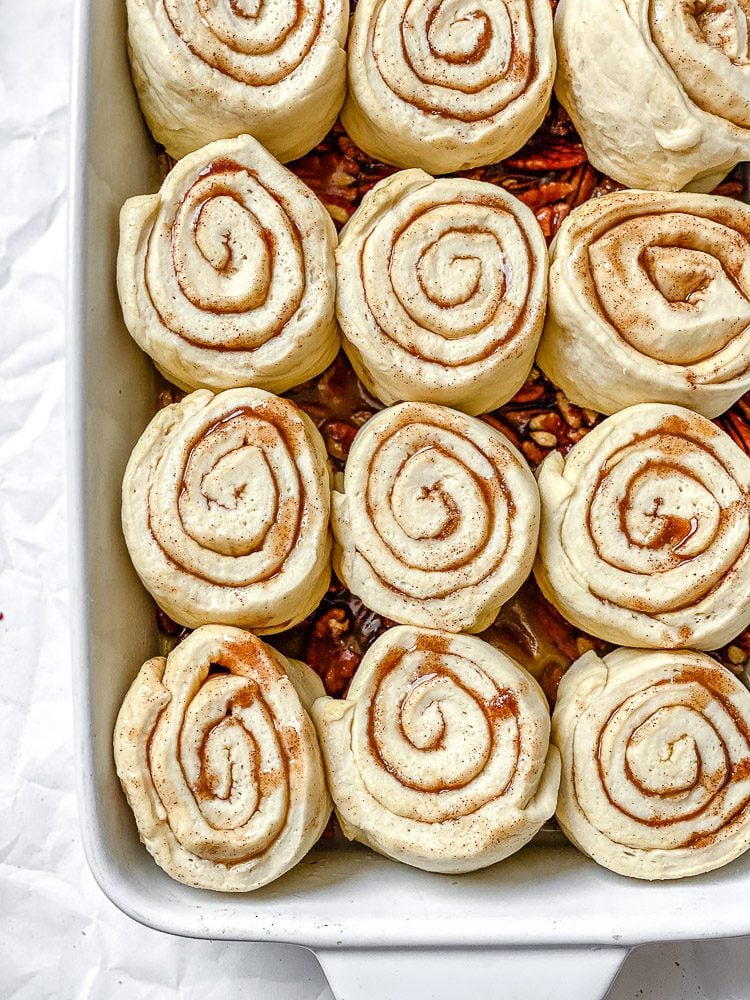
659	90
650	302
442	286
225	510
226	276
439	756
222	767
645	531
438	520
211	70
655	751
447	86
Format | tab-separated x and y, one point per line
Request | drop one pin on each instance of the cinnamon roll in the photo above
220	762
438	519
659	90
645	531
211	70
650	301
442	286
226	276
447	86
655	751
225	510
439	756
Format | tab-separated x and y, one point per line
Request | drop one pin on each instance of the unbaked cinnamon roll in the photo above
439	755
646	530
655	753
208	70
438	519
225	510
220	762
659	90
650	302
447	86
442	287
226	276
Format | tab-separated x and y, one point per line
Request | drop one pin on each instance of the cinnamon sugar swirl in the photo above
442	286
447	86
439	755
650	302
437	522
659	90
211	70
220	762
225	510
655	753
645	537
226	276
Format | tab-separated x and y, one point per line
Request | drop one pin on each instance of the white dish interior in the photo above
340	895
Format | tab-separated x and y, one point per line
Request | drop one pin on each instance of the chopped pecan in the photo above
736	422
549	681
329	653
544	439
571	414
338	438
168	394
169	627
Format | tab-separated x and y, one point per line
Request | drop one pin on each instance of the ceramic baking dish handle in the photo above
451	973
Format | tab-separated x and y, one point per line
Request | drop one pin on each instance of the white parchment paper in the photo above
59	936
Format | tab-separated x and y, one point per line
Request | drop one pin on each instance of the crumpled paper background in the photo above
59	936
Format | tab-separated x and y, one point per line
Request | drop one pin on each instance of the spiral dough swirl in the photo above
225	509
438	521
211	69
655	753
226	277
448	84
645	531
439	755
442	287
659	90
220	762
650	300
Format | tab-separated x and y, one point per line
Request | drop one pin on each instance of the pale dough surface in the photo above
437	521
223	771
649	301
446	87
226	276
212	71
655	749
225	510
645	530
439	755
442	286
659	90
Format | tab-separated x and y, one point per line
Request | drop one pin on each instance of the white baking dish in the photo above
546	922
